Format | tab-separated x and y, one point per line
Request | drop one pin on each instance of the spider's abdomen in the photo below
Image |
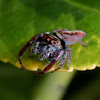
70	37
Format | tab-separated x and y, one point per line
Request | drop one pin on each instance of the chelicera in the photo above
54	47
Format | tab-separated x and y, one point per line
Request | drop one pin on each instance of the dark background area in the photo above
16	84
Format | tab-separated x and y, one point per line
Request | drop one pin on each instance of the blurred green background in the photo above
20	20
16	84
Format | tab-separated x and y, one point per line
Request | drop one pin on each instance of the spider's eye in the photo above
54	42
51	42
47	39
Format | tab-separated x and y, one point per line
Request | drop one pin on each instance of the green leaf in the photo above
20	20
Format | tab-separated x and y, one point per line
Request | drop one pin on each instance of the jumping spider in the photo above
54	47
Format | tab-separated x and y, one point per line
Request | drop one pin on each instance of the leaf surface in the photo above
20	20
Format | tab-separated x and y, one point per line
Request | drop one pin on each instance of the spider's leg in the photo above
35	48
25	47
62	62
29	51
83	43
70	56
57	58
45	54
52	55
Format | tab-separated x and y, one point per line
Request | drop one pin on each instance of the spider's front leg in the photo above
62	62
83	43
35	38
35	48
57	58
45	54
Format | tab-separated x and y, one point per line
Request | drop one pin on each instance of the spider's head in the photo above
51	40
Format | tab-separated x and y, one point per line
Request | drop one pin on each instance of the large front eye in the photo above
51	42
47	39
54	42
